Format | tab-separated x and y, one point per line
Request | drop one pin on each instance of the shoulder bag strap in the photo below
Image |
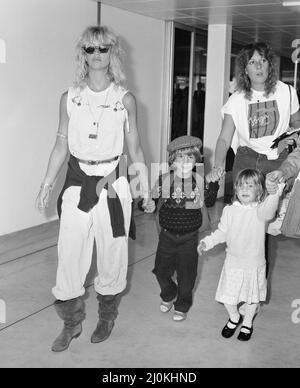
290	99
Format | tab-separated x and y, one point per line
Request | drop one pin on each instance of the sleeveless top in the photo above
87	110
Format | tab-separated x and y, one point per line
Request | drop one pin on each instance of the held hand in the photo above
42	199
201	247
148	205
272	181
289	144
215	175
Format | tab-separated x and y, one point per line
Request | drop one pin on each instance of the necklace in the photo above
257	95
96	120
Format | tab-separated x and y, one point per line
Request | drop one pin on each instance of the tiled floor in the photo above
143	337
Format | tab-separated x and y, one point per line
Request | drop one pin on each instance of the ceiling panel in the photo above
276	19
236	19
293	30
266	20
262	8
254	29
180	4
168	14
200	12
193	22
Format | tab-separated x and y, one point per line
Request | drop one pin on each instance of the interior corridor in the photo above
143	336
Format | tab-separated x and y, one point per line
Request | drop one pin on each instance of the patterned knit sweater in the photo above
181	200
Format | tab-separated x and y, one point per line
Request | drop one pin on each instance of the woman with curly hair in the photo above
96	116
261	109
115	71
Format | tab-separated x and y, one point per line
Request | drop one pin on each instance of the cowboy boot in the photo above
108	311
72	313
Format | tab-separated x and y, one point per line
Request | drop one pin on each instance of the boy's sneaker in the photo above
179	316
165	307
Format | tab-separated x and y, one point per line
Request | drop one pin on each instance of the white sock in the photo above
249	315
233	315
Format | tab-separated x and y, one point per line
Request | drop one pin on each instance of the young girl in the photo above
243	227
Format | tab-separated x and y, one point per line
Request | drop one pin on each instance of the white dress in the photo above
243	228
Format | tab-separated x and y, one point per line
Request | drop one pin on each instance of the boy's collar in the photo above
238	203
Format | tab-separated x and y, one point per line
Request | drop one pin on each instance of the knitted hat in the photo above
184	142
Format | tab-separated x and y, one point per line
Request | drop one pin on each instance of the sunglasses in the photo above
91	49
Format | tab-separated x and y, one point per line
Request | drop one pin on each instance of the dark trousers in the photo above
177	253
247	158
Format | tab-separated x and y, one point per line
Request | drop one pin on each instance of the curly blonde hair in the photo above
242	59
95	35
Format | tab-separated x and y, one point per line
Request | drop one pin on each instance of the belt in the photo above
96	162
179	234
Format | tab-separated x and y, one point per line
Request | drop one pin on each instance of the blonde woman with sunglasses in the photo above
96	115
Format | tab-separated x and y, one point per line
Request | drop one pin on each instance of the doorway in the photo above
189	82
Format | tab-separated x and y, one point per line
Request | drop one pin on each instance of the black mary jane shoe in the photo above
227	332
245	336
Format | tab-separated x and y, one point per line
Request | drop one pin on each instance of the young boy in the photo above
181	197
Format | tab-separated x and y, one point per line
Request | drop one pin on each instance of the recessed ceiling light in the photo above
291	3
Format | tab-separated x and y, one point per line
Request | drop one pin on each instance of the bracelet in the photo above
43	185
218	167
61	135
